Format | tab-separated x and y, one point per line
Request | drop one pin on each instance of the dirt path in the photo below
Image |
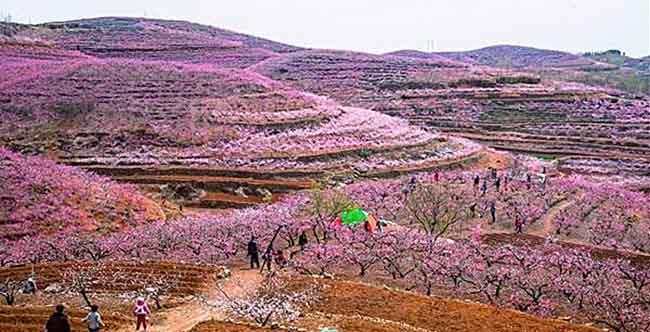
546	221
186	316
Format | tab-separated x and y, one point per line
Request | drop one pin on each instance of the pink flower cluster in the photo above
41	197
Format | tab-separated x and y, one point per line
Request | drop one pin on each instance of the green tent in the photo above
354	217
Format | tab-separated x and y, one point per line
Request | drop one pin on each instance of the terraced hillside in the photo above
141	113
182	279
520	57
606	69
150	39
509	110
142	119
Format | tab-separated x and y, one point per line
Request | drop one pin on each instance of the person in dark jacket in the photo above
58	322
29	287
268	258
302	241
497	184
253	253
493	212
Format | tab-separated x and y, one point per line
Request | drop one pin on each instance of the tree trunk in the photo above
86	299
157	301
9	299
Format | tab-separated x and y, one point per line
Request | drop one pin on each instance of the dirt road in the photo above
186	316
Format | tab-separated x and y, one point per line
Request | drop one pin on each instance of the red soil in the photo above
356	307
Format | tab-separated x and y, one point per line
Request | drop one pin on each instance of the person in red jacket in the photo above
141	312
58	322
280	259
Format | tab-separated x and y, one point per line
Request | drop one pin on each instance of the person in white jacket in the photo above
93	319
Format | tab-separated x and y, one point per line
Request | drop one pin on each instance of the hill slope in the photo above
520	57
150	39
505	109
116	114
41	197
605	69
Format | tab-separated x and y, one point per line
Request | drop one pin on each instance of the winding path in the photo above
183	318
546	221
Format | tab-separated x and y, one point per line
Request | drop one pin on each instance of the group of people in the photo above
482	187
59	321
496	179
271	255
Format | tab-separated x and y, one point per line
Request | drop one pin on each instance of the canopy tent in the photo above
355	217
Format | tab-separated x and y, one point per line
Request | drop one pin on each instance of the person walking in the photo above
302	241
253	253
281	259
493	212
268	258
405	190
497	184
141	312
58	321
413	182
484	187
93	319
519	226
409	186
477	180
380	225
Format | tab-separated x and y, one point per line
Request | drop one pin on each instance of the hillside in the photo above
150	39
258	118
604	69
618	58
129	112
520	57
160	83
505	109
137	118
41	197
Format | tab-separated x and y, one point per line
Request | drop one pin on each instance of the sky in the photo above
379	26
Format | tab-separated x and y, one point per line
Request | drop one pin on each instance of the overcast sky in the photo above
379	26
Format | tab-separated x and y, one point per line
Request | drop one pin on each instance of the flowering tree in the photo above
320	258
273	301
84	279
437	207
323	207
